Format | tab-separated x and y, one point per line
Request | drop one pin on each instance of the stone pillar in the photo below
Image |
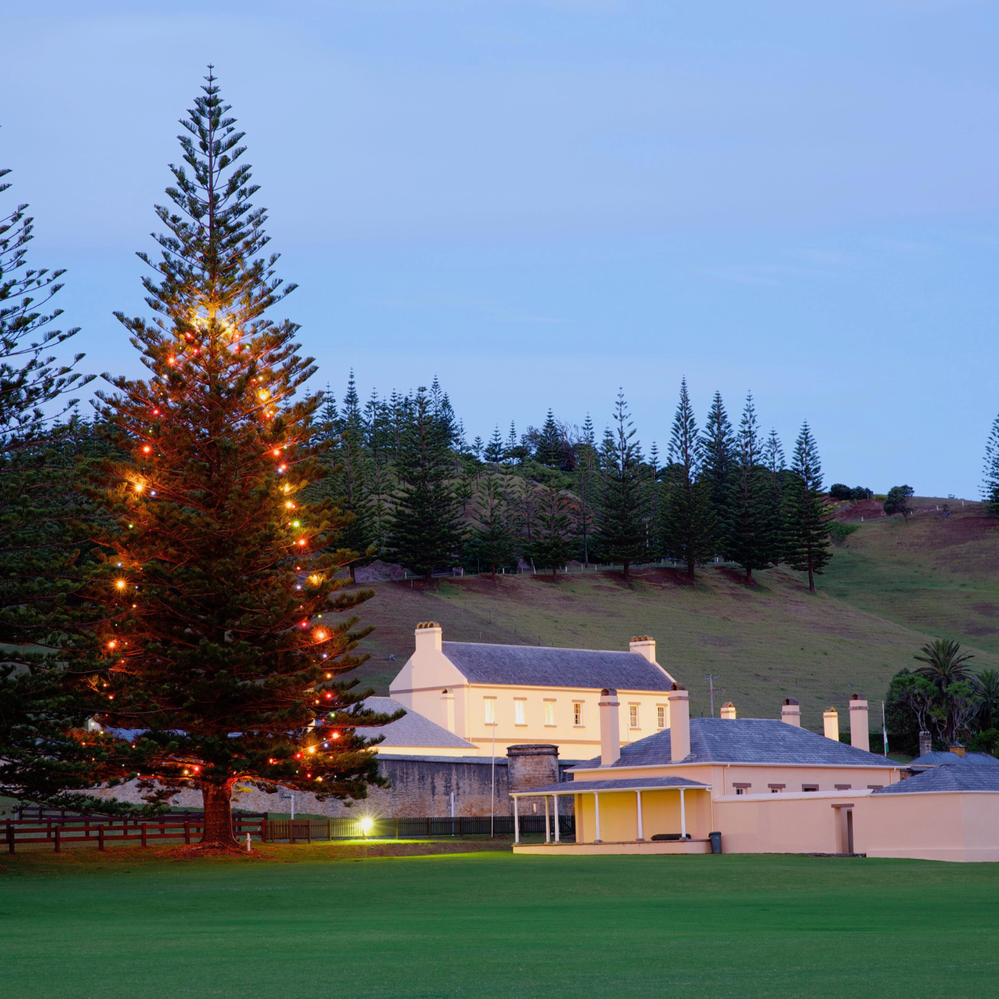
925	743
830	724
859	727
532	766
679	723
728	711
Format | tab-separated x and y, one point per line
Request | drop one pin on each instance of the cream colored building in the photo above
769	786
495	696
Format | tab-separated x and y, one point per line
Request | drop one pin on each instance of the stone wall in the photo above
420	786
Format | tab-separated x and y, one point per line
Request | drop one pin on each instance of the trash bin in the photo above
715	838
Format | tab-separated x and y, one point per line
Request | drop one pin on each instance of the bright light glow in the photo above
146	449
289	505
315	579
321	635
301	541
121	584
264	394
366	825
138	487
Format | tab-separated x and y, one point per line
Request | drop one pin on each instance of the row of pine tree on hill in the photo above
422	496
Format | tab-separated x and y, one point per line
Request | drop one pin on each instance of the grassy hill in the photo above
889	588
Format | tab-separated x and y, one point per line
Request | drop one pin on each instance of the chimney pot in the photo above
644	646
790	712
830	724
957	749
860	733
428	637
728	711
925	743
610	727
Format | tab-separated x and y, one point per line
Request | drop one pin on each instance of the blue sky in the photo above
540	202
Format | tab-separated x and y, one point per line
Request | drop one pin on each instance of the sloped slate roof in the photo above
947	779
624	784
538	666
412	729
945	758
747	740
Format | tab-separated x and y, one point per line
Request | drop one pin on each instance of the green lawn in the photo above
494	925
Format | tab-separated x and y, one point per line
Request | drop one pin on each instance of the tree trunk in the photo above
811	580
428	576
690	569
627	575
749	573
554	576
218	816
493	568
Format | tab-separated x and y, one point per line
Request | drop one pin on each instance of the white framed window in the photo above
490	706
776	788
632	716
549	713
742	788
519	711
660	716
577	713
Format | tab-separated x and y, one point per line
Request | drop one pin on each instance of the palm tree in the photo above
987	688
945	663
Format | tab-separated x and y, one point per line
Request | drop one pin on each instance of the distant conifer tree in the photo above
495	451
587	481
990	482
687	521
549	450
750	528
808	545
717	444
553	535
493	542
426	532
623	502
777	480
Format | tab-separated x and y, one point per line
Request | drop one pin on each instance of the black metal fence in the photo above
308	830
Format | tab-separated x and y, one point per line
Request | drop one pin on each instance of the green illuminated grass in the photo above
492	925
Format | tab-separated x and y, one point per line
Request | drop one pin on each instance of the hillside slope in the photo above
764	643
938	575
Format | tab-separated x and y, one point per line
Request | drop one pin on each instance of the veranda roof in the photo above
624	784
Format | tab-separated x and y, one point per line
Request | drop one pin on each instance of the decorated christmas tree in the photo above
211	641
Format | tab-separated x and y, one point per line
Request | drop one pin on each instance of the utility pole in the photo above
711	689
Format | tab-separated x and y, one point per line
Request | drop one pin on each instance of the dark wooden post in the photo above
10	838
263	830
187	831
100	837
58	830
143	835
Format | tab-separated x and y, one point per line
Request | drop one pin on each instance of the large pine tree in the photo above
687	519
808	546
205	634
427	531
750	540
622	530
493	543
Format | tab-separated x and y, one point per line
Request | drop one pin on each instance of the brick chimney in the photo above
644	646
679	723
790	712
428	637
830	724
728	711
610	727
957	749
925	743
860	733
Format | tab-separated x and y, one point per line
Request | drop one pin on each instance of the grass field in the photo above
493	925
888	590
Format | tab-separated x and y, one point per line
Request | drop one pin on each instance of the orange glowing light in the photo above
146	449
321	635
301	541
